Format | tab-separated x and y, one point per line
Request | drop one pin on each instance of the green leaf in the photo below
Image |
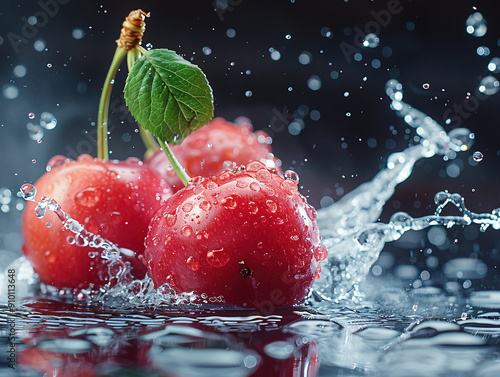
168	96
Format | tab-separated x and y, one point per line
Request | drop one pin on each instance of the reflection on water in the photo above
422	332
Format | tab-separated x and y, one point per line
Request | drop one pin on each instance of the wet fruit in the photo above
245	237
115	200
209	150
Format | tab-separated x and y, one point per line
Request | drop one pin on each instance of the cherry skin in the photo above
204	152
244	237
115	200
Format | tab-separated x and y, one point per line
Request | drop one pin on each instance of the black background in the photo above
438	52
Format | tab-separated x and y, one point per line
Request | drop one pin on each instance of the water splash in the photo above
126	291
82	236
348	227
350	259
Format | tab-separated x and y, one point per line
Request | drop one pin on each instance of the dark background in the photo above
425	43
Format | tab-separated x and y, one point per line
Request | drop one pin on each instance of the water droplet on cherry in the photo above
254	186
187	207
193	263
217	258
88	197
320	252
205	205
170	219
293	176
252	208
229	202
289	187
271	206
186	231
263	175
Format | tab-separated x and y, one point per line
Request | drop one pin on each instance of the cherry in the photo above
205	151
115	200
244	237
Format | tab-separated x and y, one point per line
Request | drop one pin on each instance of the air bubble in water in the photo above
476	25
489	85
149	46
288	36
248	93
207	50
371	40
478	156
426	86
49	65
48	121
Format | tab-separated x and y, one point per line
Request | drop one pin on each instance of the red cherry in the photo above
245	238
115	200
204	152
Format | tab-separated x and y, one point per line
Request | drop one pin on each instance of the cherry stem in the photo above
102	116
178	168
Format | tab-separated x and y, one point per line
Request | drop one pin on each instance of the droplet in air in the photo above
477	156
476	25
19	71
149	46
305	58
10	91
48	121
489	85
371	40
28	192
77	33
314	82
494	65
35	132
483	51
